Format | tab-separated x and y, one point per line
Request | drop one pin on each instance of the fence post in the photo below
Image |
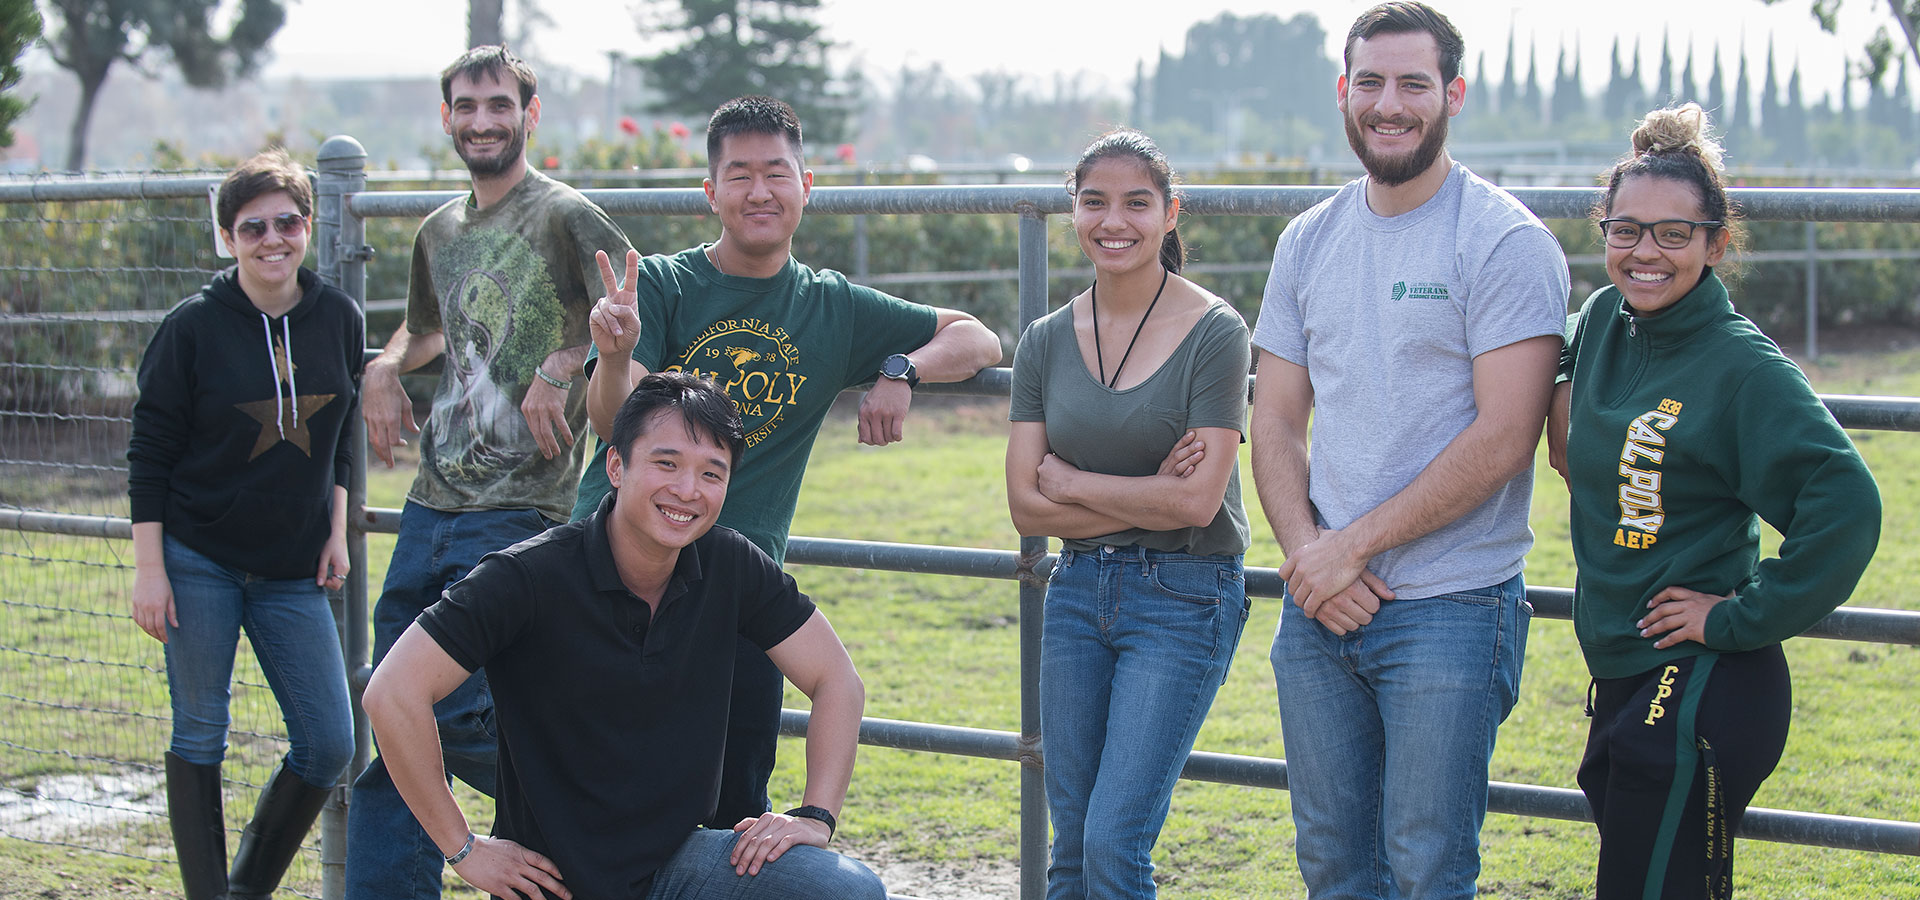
1033	594
341	239
860	272
1813	294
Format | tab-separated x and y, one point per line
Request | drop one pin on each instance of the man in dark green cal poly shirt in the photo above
782	340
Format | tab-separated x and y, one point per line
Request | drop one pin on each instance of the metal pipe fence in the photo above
65	389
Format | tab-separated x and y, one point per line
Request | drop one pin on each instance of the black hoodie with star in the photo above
235	454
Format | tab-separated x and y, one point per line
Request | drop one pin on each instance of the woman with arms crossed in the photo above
1688	426
1128	406
237	472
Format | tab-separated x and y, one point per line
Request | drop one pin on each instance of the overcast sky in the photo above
1105	40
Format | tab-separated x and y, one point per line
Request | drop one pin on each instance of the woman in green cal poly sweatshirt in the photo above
1679	426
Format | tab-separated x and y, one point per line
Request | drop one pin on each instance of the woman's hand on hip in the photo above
1678	614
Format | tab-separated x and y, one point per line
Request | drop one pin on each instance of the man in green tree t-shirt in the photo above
782	340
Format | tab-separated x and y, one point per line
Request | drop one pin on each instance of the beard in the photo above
1393	171
498	163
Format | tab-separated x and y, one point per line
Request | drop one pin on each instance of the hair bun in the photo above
1678	129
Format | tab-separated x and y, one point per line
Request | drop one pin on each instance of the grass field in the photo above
946	650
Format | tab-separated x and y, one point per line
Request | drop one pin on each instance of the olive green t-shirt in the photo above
507	286
1128	432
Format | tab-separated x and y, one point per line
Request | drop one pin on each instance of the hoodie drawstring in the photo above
293	383
293	387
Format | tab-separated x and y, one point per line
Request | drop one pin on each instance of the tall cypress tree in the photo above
1770	124
1636	101
1614	103
1716	101
1509	87
1531	102
1686	90
1479	97
1740	116
1792	134
1846	94
1569	99
1902	108
1663	93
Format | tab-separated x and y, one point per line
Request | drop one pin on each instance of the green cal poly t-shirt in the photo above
507	285
782	348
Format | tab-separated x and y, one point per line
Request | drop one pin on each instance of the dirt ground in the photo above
60	875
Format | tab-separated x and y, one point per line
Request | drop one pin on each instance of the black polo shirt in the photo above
612	722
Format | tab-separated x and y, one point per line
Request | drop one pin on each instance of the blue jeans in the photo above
388	853
699	871
293	634
1135	642
1388	732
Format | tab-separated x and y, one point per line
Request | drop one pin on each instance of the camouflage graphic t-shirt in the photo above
507	286
783	348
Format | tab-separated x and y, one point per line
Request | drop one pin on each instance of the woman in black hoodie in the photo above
237	473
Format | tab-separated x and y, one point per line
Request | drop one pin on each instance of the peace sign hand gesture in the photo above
615	320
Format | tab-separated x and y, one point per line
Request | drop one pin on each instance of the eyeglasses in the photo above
284	224
1672	234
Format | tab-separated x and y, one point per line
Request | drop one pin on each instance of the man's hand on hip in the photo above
503	868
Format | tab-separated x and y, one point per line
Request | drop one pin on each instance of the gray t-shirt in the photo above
1387	315
1128	432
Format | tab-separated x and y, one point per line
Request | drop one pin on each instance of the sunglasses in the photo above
284	224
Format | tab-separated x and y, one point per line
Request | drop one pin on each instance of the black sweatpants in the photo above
1673	758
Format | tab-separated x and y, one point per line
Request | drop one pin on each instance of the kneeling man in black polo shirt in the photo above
609	644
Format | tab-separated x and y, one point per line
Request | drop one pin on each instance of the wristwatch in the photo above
899	368
817	814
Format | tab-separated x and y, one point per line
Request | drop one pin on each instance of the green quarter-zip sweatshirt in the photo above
1686	429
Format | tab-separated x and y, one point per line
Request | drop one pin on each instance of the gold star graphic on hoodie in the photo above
291	412
294	428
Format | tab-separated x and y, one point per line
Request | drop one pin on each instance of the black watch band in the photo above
817	814
900	367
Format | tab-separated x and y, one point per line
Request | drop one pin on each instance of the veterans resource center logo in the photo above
754	362
1419	290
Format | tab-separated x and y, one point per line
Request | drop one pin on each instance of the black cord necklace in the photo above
1094	300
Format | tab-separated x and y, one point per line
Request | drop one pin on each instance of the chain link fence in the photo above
83	285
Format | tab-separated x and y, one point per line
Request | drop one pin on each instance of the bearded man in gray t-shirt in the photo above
1416	317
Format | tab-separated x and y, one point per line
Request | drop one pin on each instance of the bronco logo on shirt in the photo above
753	361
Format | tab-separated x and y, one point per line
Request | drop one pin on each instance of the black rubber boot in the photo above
287	809
199	830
